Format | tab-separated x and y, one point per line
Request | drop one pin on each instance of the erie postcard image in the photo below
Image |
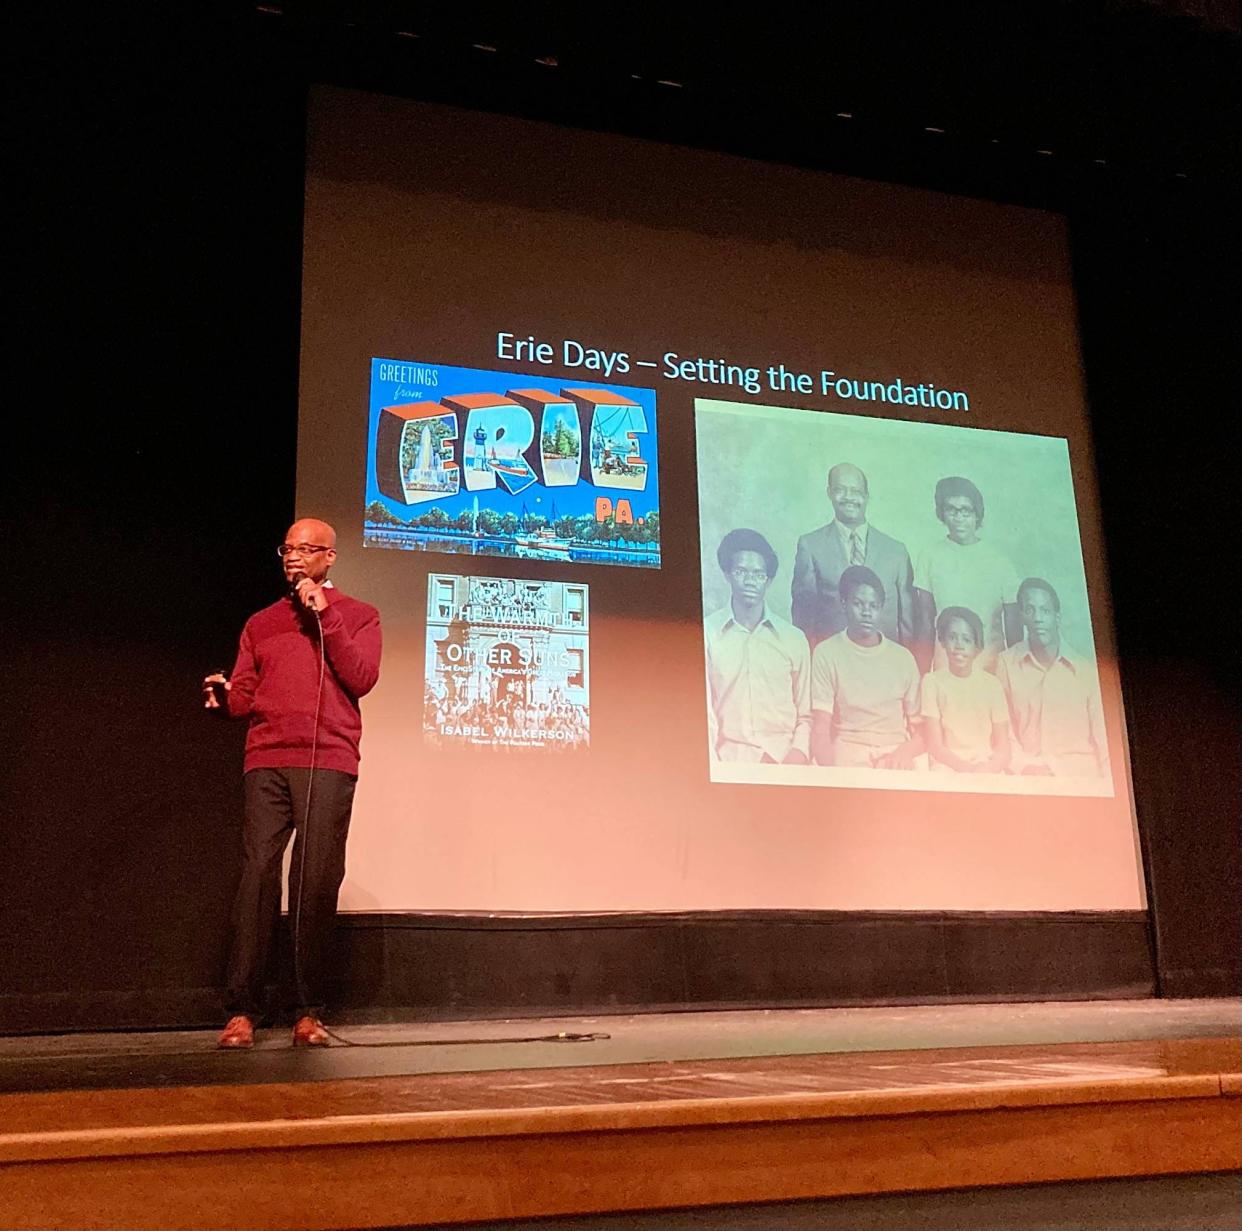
475	462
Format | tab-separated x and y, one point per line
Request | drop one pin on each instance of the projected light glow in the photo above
517	345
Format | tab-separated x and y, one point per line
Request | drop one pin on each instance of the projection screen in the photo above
734	529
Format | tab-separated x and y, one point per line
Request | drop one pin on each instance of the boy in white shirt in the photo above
1053	694
758	665
965	715
864	687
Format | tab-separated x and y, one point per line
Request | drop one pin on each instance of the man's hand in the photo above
312	595
795	756
211	690
899	758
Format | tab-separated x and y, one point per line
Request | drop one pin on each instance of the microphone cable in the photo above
562	1036
305	836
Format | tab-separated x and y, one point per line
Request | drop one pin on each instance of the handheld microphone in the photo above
294	582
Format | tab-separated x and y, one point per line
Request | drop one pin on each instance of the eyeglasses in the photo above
300	549
749	574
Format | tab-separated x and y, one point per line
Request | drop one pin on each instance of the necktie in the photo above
856	551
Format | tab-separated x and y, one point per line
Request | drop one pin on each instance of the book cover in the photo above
508	663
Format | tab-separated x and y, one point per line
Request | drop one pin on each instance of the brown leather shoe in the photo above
239	1033
309	1032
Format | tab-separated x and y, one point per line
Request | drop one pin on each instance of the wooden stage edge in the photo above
459	1147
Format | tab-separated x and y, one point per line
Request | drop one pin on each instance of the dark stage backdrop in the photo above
151	471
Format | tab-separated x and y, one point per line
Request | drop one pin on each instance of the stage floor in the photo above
189	1057
457	1122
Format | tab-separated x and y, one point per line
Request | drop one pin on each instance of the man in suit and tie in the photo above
824	554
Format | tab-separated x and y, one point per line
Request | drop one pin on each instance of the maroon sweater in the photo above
276	678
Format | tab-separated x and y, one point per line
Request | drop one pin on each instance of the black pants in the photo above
276	804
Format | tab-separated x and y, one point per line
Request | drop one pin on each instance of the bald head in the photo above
310	549
847	489
846	473
311	530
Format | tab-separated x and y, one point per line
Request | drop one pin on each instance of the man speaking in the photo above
302	666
